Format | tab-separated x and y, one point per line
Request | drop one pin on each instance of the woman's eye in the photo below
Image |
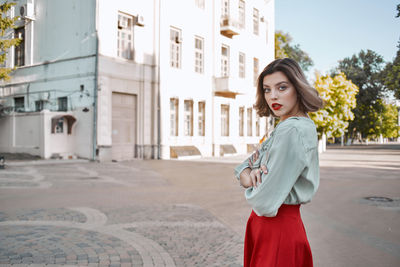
267	90
282	88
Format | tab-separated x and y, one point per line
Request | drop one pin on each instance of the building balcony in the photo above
229	86
229	27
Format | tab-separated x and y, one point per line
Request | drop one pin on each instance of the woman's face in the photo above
281	96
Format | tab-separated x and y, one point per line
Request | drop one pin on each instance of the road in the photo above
191	212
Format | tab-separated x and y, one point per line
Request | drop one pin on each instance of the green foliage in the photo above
284	48
391	75
339	95
6	40
390	126
398	11
364	70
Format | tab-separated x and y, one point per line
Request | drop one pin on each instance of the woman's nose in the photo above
273	94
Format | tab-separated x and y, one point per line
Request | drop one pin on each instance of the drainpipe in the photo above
159	85
96	73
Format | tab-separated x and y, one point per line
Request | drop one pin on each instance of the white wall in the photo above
184	83
143	36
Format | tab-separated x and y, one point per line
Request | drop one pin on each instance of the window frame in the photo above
200	4
242	14
19	50
256	21
225	10
175	37
199	55
256	70
62	103
241	121
225	119
188	118
123	31
19	104
202	118
249	122
174	117
242	65
225	71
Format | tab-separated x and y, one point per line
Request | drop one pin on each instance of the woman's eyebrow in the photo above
279	83
282	82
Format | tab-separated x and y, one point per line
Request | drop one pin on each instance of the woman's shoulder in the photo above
299	123
305	127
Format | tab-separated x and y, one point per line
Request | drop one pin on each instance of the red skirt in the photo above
279	241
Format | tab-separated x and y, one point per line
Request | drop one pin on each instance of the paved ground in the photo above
189	213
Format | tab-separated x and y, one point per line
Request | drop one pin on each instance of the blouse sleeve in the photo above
245	164
286	162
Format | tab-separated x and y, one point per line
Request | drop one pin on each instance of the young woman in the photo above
284	172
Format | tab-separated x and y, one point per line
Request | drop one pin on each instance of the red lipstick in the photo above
276	106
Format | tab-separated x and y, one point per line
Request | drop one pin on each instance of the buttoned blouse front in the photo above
291	157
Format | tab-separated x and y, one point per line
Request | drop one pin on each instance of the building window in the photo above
255	70
174	118
249	122
19	55
242	65
202	118
188	117
241	121
200	3
39	105
224	120
225	8
19	104
125	36
198	55
242	14
175	48
257	126
59	126
225	61
62	103
255	21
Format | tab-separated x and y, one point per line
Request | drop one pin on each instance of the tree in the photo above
6	40
339	95
389	121
364	70
398	11
284	48
391	75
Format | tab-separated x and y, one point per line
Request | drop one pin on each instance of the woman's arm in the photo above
252	178
286	162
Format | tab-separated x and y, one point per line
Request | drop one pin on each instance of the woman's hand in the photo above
256	174
253	158
252	177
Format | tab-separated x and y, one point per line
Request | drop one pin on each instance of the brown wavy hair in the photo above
308	97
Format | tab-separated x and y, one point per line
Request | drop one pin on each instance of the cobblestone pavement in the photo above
189	213
149	234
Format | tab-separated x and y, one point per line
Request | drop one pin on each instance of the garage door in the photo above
123	126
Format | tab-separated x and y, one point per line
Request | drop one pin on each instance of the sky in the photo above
330	30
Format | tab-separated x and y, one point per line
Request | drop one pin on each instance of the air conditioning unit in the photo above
122	23
178	39
139	20
27	11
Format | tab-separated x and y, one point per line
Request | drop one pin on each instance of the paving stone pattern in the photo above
61	245
161	235
60	214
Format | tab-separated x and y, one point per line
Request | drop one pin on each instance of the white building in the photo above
144	79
